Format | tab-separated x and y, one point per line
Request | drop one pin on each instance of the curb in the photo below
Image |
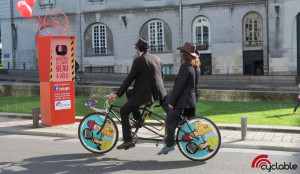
49	134
277	129
262	146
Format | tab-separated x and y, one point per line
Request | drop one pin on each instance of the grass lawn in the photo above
259	113
1	67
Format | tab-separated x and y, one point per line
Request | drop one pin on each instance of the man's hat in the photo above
189	48
142	43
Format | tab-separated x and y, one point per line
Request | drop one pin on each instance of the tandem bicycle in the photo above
198	138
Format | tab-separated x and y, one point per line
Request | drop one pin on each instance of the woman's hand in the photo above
170	106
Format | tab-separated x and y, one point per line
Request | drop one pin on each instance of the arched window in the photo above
99	41
201	33
253	35
156	36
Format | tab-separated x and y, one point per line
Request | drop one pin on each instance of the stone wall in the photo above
225	95
230	95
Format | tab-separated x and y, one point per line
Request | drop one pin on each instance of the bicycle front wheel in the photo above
98	133
199	139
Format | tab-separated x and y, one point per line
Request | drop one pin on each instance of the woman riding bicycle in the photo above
184	95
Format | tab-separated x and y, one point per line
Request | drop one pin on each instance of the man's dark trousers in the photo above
136	113
126	127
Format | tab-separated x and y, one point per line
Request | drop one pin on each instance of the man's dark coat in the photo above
146	72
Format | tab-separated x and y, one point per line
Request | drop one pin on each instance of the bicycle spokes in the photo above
97	133
198	138
57	21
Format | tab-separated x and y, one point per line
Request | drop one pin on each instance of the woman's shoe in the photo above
294	112
166	150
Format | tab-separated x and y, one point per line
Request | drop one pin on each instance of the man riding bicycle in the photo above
147	73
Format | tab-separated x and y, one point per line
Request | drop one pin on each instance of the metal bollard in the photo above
244	120
36	116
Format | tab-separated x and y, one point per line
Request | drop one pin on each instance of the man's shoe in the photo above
165	150
126	145
134	125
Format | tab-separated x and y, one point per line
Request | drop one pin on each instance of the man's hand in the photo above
112	97
170	106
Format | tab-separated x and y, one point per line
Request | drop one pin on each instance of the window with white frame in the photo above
47	2
253	30
156	36
99	39
201	33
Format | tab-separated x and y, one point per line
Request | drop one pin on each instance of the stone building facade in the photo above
233	37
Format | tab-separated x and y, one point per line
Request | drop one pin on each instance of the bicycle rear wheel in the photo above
80	78
199	139
93	140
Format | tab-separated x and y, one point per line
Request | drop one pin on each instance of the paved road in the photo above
37	154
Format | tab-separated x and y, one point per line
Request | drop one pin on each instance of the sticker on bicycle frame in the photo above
104	139
198	138
91	103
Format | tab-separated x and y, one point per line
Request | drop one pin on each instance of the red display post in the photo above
56	56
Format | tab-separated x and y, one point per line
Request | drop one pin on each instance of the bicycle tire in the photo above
208	140
80	79
87	133
57	21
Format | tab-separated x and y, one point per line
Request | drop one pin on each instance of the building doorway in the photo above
253	62
205	66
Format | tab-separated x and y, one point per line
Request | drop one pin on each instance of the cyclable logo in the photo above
262	162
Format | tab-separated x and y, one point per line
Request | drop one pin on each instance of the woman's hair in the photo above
194	61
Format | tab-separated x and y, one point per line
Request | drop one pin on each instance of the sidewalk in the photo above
258	137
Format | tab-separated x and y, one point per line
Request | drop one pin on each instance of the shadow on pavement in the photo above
89	163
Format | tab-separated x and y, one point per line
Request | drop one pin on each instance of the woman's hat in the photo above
189	48
142	43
